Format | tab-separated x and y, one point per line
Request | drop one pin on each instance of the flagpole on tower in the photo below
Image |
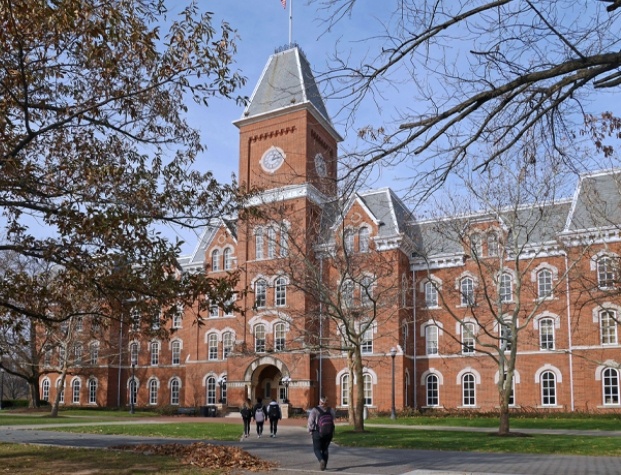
284	5
290	20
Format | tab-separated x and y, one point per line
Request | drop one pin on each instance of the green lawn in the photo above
403	438
399	436
612	422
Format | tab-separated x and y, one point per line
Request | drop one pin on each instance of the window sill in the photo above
549	407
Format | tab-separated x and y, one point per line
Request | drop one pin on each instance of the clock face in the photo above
320	165
272	159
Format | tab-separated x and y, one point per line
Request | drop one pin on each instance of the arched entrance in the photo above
266	375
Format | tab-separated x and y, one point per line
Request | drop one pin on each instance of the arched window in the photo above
363	239
215	260
505	288
45	390
227	257
259	338
368	389
280	294
608	327
227	344
177	319
212	346
76	385
610	381
431	294
153	389
466	287
271	243
468	390
431	339
548	389
211	390
175	391
279	337
155	353
92	391
258	240
133	391
467	338
544	284
345	390
260	293
546	334
432	386
175	349
60	388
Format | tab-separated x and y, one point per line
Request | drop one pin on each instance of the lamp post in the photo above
132	390
393	353
285	382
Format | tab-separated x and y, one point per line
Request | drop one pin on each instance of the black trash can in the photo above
212	411
203	411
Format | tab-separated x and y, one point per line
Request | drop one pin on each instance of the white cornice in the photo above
291	192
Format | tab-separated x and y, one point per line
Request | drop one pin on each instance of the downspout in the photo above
415	374
569	339
320	326
118	376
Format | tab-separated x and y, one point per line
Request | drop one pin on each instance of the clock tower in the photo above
286	136
288	157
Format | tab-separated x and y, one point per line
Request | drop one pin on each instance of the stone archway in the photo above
263	375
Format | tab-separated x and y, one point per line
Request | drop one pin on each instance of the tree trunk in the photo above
503	426
359	382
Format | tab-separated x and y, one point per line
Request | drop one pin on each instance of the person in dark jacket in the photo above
246	413
259	414
275	414
320	442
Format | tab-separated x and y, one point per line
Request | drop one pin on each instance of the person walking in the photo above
321	427
246	413
275	414
259	413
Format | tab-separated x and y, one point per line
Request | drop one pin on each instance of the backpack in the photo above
325	422
273	411
245	413
259	415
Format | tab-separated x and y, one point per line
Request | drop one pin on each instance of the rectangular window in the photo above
431	339
155	354
366	343
546	334
259	339
467	338
608	326
213	346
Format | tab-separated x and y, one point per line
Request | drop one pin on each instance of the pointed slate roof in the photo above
287	82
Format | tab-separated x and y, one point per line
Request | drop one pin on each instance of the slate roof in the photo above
287	81
597	202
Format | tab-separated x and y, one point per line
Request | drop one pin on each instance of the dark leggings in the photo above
247	426
273	426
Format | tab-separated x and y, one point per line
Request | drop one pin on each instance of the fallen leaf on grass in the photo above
204	455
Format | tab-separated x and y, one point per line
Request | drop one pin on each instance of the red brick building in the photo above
537	284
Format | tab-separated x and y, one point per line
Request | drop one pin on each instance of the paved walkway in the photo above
292	449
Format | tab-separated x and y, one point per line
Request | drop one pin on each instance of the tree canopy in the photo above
458	74
96	154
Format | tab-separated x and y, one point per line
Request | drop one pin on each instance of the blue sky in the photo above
263	26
